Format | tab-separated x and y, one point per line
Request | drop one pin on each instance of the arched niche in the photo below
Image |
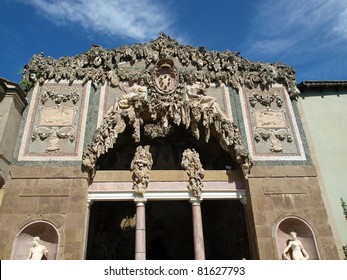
304	233
45	230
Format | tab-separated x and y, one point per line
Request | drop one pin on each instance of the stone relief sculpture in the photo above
270	121
162	109
298	251
37	251
196	93
191	163
156	102
138	91
140	166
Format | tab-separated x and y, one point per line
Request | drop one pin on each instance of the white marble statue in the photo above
37	251
298	251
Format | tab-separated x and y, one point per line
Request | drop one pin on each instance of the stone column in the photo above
86	228
140	233
199	246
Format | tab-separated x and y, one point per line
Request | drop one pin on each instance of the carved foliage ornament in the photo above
100	65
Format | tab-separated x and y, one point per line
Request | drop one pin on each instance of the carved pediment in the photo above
100	65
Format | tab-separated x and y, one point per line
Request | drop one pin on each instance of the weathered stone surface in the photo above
41	172
59	201
274	198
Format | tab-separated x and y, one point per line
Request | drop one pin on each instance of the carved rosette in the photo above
140	166
191	163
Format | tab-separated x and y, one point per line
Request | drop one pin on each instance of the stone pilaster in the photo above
86	230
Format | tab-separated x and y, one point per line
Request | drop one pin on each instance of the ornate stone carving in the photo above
191	163
201	120
265	100
99	65
165	76
271	125
61	95
137	91
159	97
53	136
141	165
58	122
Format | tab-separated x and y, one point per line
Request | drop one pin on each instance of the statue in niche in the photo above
196	92
298	251
141	165
138	91
191	163
37	251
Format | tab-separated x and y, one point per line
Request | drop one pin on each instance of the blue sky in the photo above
309	35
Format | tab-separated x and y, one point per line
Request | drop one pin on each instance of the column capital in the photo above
195	200
140	200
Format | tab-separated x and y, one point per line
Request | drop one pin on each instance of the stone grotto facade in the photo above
161	151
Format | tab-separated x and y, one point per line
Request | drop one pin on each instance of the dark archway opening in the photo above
225	231
167	152
169	230
111	233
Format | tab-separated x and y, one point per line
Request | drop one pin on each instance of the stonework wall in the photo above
56	195
287	191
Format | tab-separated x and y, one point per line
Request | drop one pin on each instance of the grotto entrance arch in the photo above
167	120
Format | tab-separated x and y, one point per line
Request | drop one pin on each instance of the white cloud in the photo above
296	24
138	19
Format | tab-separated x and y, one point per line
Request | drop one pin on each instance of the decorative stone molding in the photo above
191	163
100	65
140	166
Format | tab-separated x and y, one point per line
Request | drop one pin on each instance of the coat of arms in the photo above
165	76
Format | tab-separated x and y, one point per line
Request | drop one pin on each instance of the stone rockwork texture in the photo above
287	191
54	195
